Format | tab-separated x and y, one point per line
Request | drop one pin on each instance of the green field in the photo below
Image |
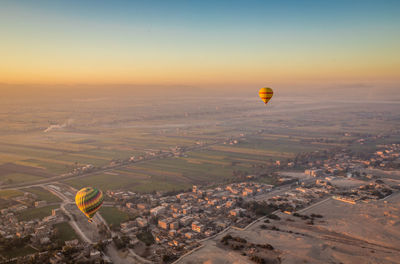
65	232
113	216
215	164
104	182
6	194
120	127
129	181
19	177
33	213
18	252
43	194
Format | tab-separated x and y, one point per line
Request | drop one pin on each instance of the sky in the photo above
199	43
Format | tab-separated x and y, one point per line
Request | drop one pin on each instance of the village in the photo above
166	226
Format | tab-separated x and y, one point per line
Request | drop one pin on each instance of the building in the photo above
197	227
157	210
56	212
141	206
130	205
72	243
186	220
247	191
236	212
189	235
128	225
174	225
314	172
40	203
187	210
164	223
141	222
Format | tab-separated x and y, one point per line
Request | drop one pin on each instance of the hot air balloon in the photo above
89	201
265	94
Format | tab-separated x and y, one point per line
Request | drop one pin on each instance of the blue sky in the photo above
198	42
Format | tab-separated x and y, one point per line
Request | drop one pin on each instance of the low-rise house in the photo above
197	227
189	235
164	223
186	220
142	222
40	203
174	225
157	210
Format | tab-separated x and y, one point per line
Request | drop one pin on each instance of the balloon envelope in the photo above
89	200
265	94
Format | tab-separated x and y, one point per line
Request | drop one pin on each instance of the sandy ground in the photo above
360	233
394	174
347	183
293	174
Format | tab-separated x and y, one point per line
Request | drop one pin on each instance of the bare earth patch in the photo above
360	233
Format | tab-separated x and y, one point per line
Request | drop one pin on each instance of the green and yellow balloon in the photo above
89	201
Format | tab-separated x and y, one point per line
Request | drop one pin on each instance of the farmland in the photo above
76	133
16	252
42	194
217	163
65	232
33	213
113	216
6	194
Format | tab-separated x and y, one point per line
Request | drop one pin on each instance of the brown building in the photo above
197	227
164	223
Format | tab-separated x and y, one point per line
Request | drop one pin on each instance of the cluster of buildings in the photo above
365	193
75	252
301	196
387	157
178	222
344	163
39	230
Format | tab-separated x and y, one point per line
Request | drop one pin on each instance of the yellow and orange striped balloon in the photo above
266	94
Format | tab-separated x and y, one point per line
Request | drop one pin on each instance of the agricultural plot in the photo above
276	145
18	252
191	172
103	181
71	159
4	203
216	164
19	178
36	213
113	216
43	194
7	194
64	232
5	197
15	173
126	181
116	128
